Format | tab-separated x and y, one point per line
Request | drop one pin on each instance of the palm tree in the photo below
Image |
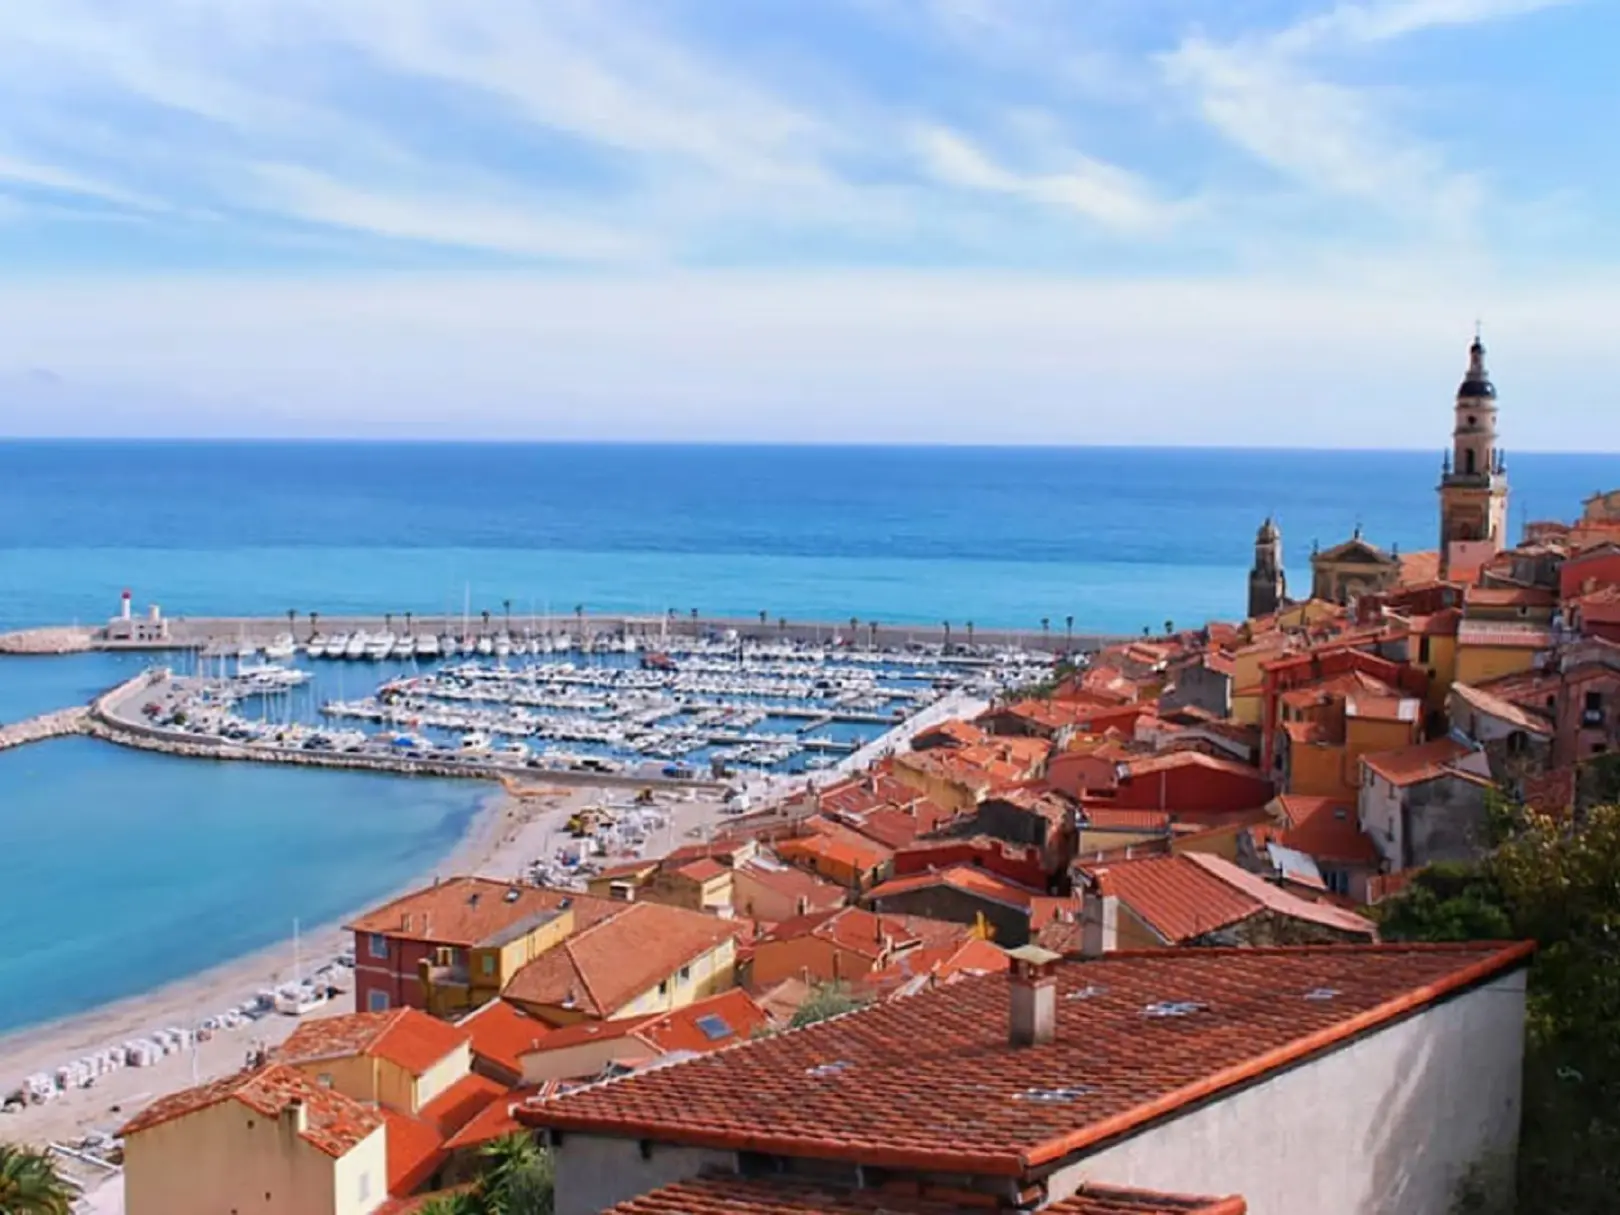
763	615
388	622
970	632
408	632
872	631
947	625
781	625
1068	632
854	630
485	615
517	1177
314	620
1046	632
30	1184
292	619
1169	627
506	606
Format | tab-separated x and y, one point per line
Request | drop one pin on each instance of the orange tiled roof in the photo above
1509	596
963	733
501	1032
1191	894
1103	818
460	1103
415	1151
956	1097
704	869
787	880
469	911
678	1030
334	1123
1507	634
1492	705
406	1037
1169	761
494	1121
864	932
613	962
1420	762
847	848
936	964
735	1196
1325	830
969	879
1419	567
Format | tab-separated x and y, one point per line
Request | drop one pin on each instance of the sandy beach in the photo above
504	837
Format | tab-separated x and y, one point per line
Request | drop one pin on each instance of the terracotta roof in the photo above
858	930
850	848
1443	623
791	882
1331	687
406	1037
1143	1035
1492	705
704	869
460	1103
735	1196
334	1123
1420	762
1191	894
1169	761
613	962
470	911
494	1121
934	965
1102	818
501	1032
967	878
1418	567
1506	634
1326	830
1509	596
704	1025
963	733
415	1151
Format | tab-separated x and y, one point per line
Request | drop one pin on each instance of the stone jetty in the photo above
58	724
63	639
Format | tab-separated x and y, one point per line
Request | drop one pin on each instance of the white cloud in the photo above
34	175
1107	194
1380	22
290	190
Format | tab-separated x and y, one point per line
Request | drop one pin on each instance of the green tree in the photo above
1557	882
30	1184
518	1177
825	1000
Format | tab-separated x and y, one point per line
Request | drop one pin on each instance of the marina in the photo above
699	709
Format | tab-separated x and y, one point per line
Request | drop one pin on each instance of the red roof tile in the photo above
494	1121
956	1097
334	1123
967	878
935	965
1492	705
1421	762
501	1032
847	848
406	1037
460	1103
704	869
415	1151
1326	830
1191	894
791	882
734	1012
608	965
469	911
735	1196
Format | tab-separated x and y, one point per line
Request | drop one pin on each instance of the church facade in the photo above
1473	493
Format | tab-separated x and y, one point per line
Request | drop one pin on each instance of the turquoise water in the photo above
126	870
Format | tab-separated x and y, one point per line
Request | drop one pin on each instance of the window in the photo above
489	963
686	973
1470	460
1337	881
377	947
663	987
1423	649
377	1001
1594	702
365	1186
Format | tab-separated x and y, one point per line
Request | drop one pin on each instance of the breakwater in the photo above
46	641
58	724
207	632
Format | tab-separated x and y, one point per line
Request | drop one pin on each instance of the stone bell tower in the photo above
1268	585
1473	477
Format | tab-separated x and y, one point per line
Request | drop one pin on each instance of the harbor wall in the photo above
201	632
57	724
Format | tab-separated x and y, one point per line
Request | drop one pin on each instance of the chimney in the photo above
1099	923
1032	986
295	1114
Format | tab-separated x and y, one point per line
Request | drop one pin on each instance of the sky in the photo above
1232	222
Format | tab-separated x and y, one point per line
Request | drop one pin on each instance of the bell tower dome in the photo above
1473	476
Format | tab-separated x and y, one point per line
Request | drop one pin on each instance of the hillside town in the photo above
1112	945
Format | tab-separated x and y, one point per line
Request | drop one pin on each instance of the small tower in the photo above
1473	477
1268	585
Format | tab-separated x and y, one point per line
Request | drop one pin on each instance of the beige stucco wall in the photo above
229	1157
1386	1125
442	1075
584	1059
715	971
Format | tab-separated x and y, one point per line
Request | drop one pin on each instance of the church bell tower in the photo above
1268	585
1473	477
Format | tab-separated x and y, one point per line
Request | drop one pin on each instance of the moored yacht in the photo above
356	647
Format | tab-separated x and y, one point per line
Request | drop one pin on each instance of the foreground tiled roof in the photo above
406	1037
460	1103
468	911
415	1151
495	1121
931	1082
735	1196
334	1123
612	963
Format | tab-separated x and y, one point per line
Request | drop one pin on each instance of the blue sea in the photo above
126	870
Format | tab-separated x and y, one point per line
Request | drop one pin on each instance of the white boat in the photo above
337	645
447	645
503	646
296	999
427	646
404	648
281	649
379	647
513	750
485	646
475	742
356	647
